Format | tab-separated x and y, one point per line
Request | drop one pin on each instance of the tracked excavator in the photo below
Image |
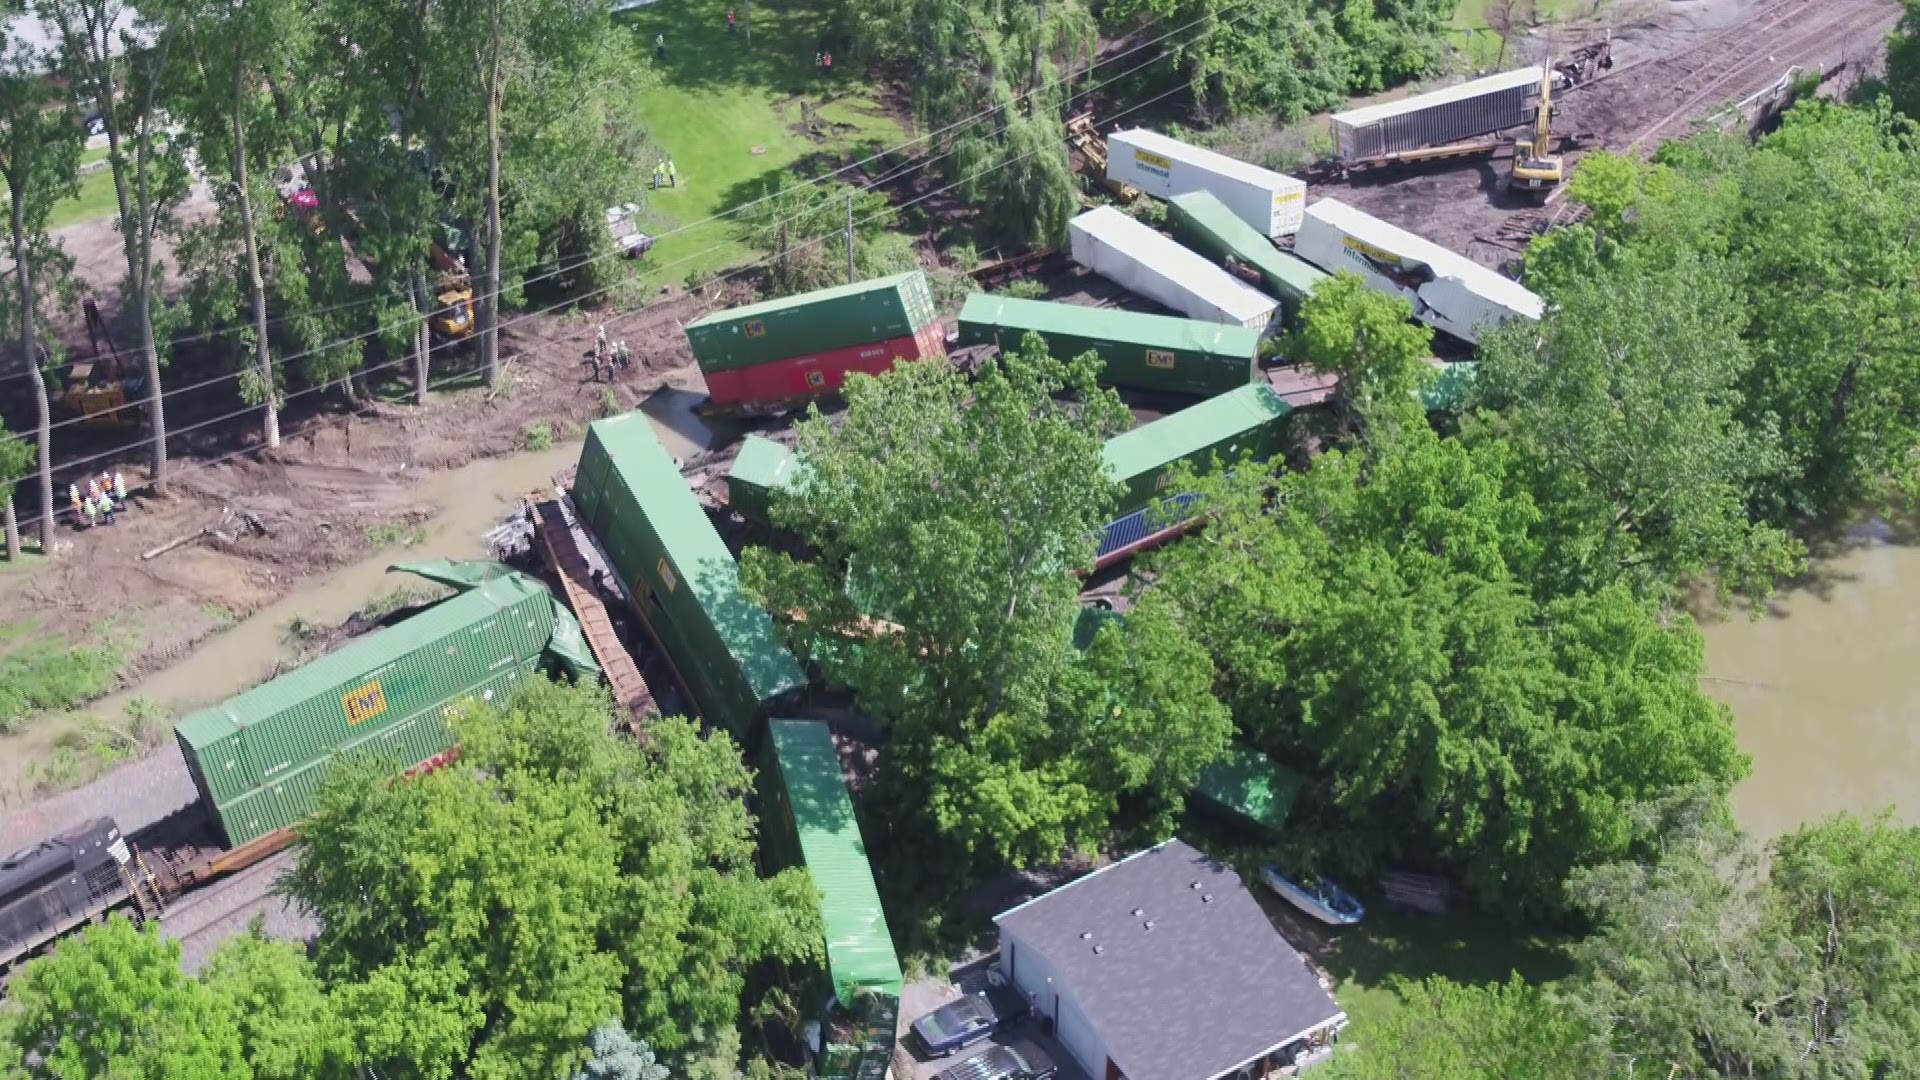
1537	170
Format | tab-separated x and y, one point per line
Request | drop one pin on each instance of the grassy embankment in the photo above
1475	37
95	198
730	116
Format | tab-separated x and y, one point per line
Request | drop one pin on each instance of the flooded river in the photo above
1825	688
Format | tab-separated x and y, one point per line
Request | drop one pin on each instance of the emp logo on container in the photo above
666	575
1160	358
755	328
816	379
364	703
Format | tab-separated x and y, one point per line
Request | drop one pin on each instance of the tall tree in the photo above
1367	340
16	461
111	54
619	1056
114	1002
288	1026
1704	965
485	919
1387	623
39	162
960	510
1629	397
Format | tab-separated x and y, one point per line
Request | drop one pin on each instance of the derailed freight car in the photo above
1265	200
1134	256
1205	224
680	577
807	820
1145	352
1448	291
258	759
795	347
1449	115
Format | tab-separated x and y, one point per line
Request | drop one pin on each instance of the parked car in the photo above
1020	1061
959	1024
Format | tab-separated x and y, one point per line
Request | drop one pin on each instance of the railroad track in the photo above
1725	67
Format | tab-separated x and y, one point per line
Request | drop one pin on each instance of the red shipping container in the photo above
820	373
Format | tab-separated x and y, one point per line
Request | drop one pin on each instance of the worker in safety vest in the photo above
106	507
90	509
673	174
621	357
73	493
660	46
119	487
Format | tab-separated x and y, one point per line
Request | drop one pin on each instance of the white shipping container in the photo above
1163	167
1141	260
1439	117
1448	291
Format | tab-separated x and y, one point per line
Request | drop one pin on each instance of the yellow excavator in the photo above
1537	170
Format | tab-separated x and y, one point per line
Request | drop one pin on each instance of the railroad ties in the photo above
554	529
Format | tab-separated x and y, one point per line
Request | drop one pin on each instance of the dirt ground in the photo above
1678	62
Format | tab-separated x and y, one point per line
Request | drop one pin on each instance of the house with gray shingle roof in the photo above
1162	966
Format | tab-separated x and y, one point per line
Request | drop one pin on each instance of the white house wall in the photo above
1030	971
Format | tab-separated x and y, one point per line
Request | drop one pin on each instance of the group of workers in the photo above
106	495
609	357
665	174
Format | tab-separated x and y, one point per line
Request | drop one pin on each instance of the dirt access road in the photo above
1673	67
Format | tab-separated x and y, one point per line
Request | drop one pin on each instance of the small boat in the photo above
1321	899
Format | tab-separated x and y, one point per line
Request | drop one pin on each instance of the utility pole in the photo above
1039	39
749	25
849	237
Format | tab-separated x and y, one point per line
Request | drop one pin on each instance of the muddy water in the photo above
474	498
1825	688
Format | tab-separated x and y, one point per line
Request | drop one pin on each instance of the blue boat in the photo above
1322	899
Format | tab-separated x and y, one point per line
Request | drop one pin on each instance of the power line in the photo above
711	218
736	271
281	363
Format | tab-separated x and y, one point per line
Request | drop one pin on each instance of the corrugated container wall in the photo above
761	467
820	373
1145	352
681	576
258	759
1446	290
1134	256
1203	223
1443	116
1267	201
1249	421
883	309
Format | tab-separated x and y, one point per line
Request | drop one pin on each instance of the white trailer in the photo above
1163	167
1448	291
1118	248
1445	116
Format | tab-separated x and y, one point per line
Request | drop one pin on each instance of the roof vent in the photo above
1149	924
1097	950
1137	912
1086	935
1195	885
1206	898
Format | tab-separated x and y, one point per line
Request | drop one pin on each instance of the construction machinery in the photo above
1537	170
94	390
452	318
1082	134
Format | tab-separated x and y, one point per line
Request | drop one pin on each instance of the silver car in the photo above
1020	1061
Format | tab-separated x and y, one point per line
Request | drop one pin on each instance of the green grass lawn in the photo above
729	116
95	198
1472	949
1480	44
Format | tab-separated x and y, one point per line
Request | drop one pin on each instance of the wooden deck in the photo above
560	545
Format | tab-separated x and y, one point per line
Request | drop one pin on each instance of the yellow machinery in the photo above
1082	134
1537	170
453	296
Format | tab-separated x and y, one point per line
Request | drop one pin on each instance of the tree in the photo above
110	54
16	460
114	1002
1444	1030
39	162
1705	965
1610	184
273	998
484	919
1903	61
1628	398
803	225
1368	341
960	511
1380	625
619	1056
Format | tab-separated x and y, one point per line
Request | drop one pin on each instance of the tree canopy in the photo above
485	919
960	510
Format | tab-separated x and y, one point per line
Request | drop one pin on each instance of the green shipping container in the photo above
807	820
682	578
1251	420
763	467
1247	784
859	314
257	760
1202	222
1146	352
1448	392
